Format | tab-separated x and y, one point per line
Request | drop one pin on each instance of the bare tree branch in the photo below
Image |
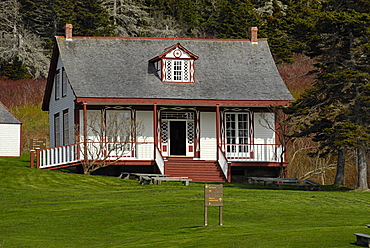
111	136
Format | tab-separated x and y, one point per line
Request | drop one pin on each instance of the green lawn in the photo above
40	208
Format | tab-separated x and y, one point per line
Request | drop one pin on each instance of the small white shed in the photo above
10	133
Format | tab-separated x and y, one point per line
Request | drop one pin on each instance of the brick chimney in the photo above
69	28
254	35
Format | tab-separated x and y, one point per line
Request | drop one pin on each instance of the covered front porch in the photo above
265	155
225	136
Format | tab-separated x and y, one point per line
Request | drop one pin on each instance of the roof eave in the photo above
181	102
50	79
10	112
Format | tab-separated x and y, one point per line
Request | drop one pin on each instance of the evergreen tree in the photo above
275	26
15	70
335	111
48	18
17	43
235	18
39	16
133	19
282	26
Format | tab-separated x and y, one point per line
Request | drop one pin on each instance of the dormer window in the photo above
177	70
176	65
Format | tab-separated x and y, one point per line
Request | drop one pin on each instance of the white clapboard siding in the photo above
145	146
10	140
57	106
208	144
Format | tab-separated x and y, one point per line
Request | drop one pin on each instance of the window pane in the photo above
65	128
56	130
64	83
237	128
177	71
57	85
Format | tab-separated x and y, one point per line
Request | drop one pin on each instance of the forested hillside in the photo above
323	45
27	27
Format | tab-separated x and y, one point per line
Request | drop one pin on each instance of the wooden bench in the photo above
280	185
268	180
145	180
125	175
313	185
159	180
362	239
256	180
142	177
138	175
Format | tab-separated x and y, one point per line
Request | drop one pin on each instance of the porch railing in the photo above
159	160
254	152
55	156
222	160
62	155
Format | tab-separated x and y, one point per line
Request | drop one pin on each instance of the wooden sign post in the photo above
213	196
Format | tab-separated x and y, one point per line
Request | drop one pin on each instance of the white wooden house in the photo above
10	133
205	103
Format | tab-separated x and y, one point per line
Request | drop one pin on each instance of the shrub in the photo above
23	98
22	92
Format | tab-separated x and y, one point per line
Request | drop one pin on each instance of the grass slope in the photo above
40	208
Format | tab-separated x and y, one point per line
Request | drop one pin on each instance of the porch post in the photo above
155	125
197	134
32	158
133	134
218	126
38	158
85	134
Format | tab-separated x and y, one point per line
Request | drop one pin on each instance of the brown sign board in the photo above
38	143
213	195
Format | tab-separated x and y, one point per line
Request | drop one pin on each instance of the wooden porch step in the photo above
194	169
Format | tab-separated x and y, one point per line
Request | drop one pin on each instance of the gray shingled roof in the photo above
119	68
6	117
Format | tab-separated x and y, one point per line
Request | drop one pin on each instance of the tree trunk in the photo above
362	169
339	177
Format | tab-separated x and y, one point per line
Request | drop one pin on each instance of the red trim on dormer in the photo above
177	82
163	70
170	49
192	77
190	70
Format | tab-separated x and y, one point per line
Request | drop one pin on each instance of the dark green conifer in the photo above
335	112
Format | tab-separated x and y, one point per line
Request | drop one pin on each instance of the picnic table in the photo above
362	239
159	180
135	175
151	178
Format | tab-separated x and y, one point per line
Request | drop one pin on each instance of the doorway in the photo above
178	138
